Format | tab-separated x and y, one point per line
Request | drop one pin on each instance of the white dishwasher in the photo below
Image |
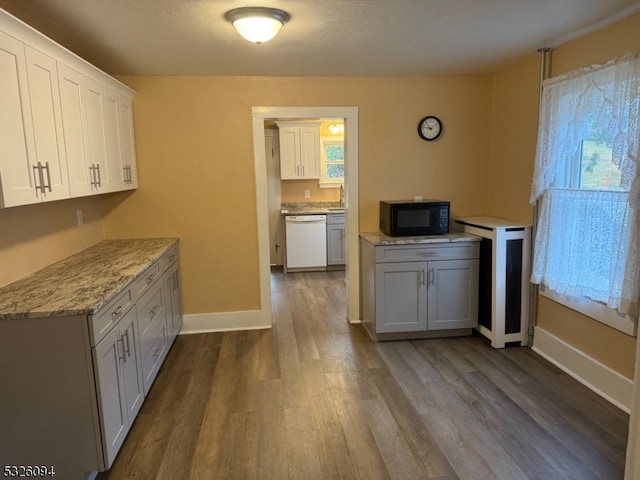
306	242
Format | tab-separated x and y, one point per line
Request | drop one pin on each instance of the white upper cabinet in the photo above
127	143
75	134
32	158
299	150
66	128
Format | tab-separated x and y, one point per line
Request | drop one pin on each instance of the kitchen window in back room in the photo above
586	179
332	165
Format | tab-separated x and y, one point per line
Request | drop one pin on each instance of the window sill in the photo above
595	310
329	185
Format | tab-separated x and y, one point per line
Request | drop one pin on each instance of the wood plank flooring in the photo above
315	398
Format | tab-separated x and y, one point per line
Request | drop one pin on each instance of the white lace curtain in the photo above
584	234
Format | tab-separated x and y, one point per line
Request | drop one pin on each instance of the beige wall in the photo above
515	108
34	236
195	161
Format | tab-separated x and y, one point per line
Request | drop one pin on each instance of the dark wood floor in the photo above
314	398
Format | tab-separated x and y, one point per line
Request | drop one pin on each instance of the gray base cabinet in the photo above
119	382
73	385
404	293
336	244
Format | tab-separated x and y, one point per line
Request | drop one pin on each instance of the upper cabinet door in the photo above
32	158
310	152
73	119
115	166
127	143
17	147
94	100
47	124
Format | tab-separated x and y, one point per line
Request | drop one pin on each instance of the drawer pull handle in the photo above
117	312
426	254
172	257
150	278
156	352
152	312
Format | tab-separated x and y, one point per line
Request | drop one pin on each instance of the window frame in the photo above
326	182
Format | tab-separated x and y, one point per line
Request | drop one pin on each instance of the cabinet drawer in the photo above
150	309
412	253
168	259
142	284
153	348
105	319
335	218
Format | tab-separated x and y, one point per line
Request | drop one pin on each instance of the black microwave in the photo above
405	217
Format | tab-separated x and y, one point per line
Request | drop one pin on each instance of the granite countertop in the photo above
379	238
311	208
82	283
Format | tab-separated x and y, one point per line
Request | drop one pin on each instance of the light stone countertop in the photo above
311	208
82	283
378	238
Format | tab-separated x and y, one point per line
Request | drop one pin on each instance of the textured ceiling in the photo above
323	37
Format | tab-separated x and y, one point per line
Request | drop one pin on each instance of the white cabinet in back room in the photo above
299	150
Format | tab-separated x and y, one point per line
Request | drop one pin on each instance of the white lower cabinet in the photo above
403	293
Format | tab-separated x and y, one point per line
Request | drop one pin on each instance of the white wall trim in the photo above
596	376
596	310
224	322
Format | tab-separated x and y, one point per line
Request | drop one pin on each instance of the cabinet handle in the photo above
152	313
126	335
150	278
92	173
117	312
426	254
99	176
156	352
37	174
422	276
432	276
120	357
48	185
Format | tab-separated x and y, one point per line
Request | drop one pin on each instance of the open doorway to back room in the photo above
330	185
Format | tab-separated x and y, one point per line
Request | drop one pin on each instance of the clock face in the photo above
430	128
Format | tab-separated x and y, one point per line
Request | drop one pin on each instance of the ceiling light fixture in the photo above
336	128
257	24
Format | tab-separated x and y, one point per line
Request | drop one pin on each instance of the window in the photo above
586	179
332	162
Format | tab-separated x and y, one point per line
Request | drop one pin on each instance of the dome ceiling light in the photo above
257	24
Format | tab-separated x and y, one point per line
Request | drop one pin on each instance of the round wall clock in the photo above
429	128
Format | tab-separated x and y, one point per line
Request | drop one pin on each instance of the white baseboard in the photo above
596	376
224	322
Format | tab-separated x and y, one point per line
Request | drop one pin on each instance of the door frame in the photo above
350	116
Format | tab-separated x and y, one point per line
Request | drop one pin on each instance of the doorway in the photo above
350	115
